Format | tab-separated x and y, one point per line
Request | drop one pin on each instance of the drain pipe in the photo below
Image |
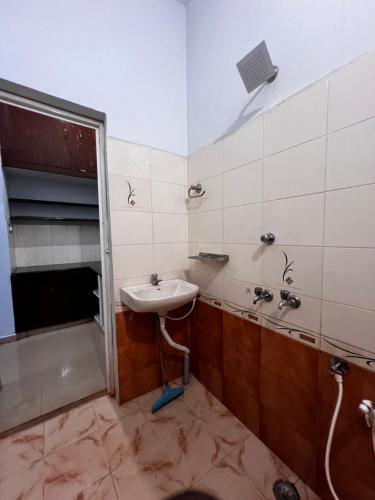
338	368
179	347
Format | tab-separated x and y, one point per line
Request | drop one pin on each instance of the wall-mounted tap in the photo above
155	280
267	238
287	299
261	294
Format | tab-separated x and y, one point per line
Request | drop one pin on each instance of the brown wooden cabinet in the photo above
36	141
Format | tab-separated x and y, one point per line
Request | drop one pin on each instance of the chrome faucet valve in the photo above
261	294
287	299
155	280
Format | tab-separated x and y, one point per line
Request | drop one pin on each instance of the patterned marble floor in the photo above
102	451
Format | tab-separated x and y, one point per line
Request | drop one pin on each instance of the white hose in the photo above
168	338
185	315
338	379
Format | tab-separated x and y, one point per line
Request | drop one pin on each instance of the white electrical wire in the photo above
338	379
185	315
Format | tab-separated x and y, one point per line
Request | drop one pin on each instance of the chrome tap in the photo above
155	280
261	294
287	299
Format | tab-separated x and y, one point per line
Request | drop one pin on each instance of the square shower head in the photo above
256	67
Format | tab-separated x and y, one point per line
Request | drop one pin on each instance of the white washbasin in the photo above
164	297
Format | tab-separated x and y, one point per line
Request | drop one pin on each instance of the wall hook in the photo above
198	189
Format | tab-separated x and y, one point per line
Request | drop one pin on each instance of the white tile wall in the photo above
309	178
129	193
243	224
147	190
245	145
295	221
351	93
131	227
46	244
349	324
305	171
298	119
349	276
243	185
301	264
350	217
127	159
167	167
296	171
351	156
169	228
205	163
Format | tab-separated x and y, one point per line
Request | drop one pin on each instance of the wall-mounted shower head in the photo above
256	67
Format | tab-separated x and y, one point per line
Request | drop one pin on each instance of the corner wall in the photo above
304	171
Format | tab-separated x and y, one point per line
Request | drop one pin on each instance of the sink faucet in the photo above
287	299
155	280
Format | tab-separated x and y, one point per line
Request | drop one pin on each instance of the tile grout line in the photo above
324	211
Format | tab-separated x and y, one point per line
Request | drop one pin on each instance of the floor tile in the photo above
71	367
126	438
149	477
107	410
261	465
25	484
225	427
171	417
198	398
74	467
49	370
148	399
20	373
20	449
68	427
104	489
228	481
193	451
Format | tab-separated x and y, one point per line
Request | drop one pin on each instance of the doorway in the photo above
56	342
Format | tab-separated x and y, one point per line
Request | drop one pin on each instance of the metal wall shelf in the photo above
210	257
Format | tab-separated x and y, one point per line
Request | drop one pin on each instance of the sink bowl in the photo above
166	296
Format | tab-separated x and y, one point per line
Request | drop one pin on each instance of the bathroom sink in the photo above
164	297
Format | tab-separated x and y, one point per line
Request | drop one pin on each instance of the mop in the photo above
169	394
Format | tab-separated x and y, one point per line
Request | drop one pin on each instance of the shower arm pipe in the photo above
169	339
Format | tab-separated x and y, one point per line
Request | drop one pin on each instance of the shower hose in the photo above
338	379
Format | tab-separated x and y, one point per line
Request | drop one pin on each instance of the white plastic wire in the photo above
338	379
185	315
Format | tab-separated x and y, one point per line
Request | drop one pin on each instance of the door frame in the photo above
25	97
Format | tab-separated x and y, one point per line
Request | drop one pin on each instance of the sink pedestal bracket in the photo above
179	347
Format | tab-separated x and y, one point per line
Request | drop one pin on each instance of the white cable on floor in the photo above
185	315
338	379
